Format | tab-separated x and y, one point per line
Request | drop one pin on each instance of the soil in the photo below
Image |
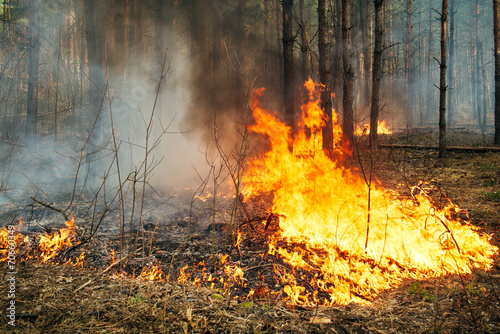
188	238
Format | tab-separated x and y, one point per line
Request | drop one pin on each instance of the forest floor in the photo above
57	298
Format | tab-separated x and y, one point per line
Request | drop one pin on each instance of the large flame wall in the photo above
354	246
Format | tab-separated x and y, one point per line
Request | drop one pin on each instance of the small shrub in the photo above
421	292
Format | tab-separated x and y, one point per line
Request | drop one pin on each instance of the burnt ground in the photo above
56	298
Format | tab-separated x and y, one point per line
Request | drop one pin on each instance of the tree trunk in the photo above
58	66
34	61
303	42
409	64
324	76
289	73
347	98
496	20
421	91
477	69
241	40
485	85
280	68
367	55
377	73
430	85
442	82
266	43
335	62
451	71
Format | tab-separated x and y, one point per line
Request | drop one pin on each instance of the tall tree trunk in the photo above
430	85
496	24
367	55
58	66
377	73
241	40
451	71
348	94
266	43
409	64
324	76
476	66
485	85
336	64
303	43
289	73
421	91
280	67
442	82
34	61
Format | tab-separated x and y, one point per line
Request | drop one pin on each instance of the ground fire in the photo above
46	247
352	239
382	129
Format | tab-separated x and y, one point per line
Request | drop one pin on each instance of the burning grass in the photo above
357	237
382	129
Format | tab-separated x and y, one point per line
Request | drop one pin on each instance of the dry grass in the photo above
50	296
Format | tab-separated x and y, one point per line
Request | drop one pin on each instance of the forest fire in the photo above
352	239
151	273
50	245
382	129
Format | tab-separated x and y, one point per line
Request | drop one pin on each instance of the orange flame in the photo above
382	129
351	252
229	277
151	273
11	241
52	244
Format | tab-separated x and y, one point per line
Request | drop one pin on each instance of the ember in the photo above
227	276
352	245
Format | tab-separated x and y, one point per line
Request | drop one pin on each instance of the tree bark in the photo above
367	54
289	73
348	97
34	61
377	73
430	85
280	66
485	84
409	64
477	67
324	76
442	81
303	42
421	91
266	43
451	71
496	20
